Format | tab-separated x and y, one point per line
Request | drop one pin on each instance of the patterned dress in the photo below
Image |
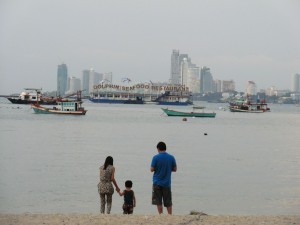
105	188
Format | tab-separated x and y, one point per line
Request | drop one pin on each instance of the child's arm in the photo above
134	201
121	193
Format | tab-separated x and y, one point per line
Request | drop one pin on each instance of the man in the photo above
163	164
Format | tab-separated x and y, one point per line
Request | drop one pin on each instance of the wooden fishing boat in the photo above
249	106
170	112
62	107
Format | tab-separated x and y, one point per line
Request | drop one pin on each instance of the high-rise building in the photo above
295	83
176	66
89	79
271	91
85	82
62	79
74	85
251	88
228	86
184	67
193	81
206	80
217	85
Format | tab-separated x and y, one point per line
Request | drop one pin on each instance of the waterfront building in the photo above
295	83
85	82
93	79
176	67
228	86
271	91
206	80
217	87
184	67
62	76
193	81
75	85
251	88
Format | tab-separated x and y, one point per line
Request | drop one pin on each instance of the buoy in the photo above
184	119
205	133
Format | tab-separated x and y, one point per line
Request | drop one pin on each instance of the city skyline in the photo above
240	41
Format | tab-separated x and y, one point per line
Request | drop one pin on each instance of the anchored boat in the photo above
32	96
249	106
170	112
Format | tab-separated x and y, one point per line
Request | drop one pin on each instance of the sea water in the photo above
246	164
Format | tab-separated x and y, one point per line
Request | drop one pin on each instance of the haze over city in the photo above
240	40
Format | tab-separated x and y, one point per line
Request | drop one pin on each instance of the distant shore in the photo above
98	219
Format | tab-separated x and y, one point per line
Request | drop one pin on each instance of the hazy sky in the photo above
242	40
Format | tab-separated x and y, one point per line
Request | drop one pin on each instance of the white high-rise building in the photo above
108	77
295	83
184	71
251	88
75	85
271	91
91	80
176	66
193	81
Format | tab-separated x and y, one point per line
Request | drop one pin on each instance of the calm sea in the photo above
246	164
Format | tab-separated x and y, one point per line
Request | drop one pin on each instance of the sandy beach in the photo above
97	219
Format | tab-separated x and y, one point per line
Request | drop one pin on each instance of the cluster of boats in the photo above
74	106
61	106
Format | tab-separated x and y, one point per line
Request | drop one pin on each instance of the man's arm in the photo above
152	169
174	169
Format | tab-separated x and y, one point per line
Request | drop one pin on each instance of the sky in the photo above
241	40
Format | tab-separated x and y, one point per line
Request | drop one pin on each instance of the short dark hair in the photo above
128	183
161	146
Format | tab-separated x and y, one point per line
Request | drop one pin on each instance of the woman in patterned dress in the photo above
105	187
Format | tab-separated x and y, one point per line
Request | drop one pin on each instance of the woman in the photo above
105	188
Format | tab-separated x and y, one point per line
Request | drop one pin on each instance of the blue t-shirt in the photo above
163	164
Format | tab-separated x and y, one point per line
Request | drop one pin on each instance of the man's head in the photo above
161	146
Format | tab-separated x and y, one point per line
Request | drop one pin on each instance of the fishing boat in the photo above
170	112
31	96
249	106
174	98
62	108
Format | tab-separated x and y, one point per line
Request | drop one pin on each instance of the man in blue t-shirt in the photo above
163	164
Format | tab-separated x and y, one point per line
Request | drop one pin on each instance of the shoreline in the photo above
101	219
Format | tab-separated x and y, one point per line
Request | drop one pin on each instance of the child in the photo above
129	198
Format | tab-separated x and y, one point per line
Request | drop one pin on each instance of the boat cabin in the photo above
68	106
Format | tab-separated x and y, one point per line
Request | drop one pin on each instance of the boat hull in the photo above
188	114
27	102
116	101
246	111
174	103
43	110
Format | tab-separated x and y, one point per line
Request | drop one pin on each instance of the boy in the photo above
129	198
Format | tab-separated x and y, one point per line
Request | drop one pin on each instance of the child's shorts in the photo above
127	209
